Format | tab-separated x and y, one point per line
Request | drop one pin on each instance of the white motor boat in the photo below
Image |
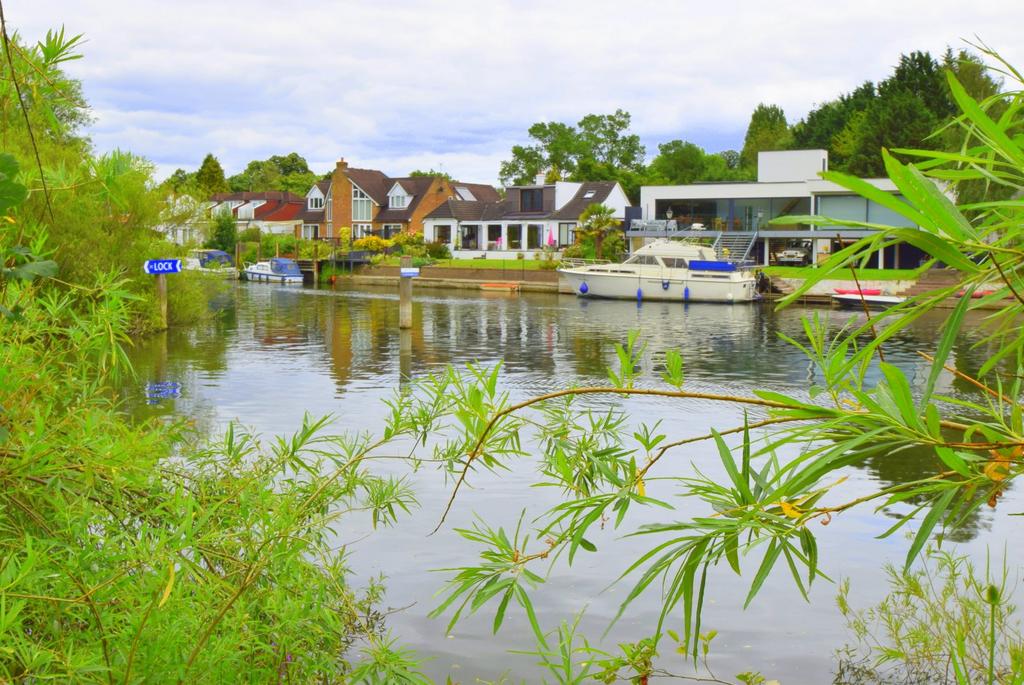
872	301
275	270
665	270
217	262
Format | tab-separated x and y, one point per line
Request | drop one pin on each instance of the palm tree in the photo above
595	222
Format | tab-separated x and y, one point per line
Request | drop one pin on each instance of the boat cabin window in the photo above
674	262
643	259
284	266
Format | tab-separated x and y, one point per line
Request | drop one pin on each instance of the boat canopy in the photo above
214	258
285	267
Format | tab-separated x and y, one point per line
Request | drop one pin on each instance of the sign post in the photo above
160	268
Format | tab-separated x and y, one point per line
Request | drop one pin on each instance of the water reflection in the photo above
273	353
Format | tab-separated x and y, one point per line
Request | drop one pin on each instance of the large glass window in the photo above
309	231
534	236
443	234
470	237
362	205
391	230
566	234
847	207
494	237
361	230
515	236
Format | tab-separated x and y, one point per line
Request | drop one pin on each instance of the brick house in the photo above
372	203
317	217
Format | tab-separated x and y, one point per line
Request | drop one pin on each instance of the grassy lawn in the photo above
512	264
845	275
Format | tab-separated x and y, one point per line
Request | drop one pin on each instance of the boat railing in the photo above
576	262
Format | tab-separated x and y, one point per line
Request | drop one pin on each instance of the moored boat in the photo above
216	262
664	270
872	301
274	270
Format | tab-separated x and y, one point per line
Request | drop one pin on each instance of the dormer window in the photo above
531	200
316	203
399	201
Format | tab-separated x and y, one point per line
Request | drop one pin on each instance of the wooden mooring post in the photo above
405	294
161	298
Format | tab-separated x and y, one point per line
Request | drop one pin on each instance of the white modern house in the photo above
737	214
530	218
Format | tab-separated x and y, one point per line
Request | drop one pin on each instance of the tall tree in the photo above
210	177
600	147
899	119
823	123
768	130
678	162
419	173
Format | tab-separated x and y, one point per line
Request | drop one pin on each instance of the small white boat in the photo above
873	301
275	270
217	262
665	270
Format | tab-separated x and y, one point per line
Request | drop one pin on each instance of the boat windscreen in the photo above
285	267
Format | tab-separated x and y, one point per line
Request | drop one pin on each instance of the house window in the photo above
531	200
566	234
361	230
391	230
399	201
362	205
443	234
470	237
589	194
494	237
534	236
515	236
316	203
309	231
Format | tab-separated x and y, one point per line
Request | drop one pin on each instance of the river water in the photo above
274	353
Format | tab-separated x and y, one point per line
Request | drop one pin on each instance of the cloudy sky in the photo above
454	84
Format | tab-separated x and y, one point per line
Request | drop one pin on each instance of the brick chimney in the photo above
342	165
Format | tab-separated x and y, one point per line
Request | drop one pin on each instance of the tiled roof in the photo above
480	191
579	202
471	210
312	216
280	211
324	186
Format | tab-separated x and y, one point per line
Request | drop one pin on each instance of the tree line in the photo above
904	110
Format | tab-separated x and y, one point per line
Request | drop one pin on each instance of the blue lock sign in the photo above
162	266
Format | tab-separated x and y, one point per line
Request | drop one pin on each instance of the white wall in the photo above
565	191
785	166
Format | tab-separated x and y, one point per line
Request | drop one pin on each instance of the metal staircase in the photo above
735	246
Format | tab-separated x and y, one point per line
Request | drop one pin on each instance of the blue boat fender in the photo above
664	285
583	288
639	295
686	294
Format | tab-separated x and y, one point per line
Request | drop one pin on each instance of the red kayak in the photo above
854	291
976	294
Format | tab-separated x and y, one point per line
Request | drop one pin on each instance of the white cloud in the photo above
412	83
